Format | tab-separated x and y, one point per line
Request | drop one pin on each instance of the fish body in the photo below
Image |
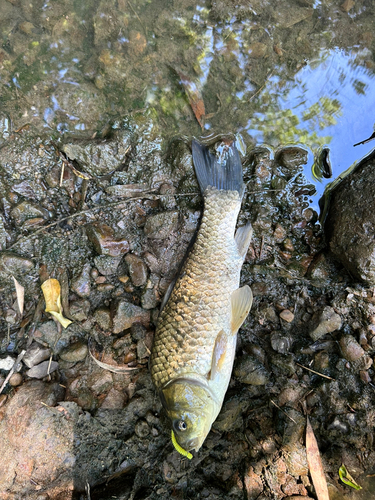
195	339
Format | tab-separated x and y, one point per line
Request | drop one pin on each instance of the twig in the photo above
285	413
316	373
137	16
262	87
62	173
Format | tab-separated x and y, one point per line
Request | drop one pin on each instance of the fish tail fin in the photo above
224	173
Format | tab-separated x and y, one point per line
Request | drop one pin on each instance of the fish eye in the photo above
180	425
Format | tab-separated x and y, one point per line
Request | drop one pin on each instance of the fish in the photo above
195	339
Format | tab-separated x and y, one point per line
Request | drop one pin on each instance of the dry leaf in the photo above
52	296
315	464
20	291
195	98
112	368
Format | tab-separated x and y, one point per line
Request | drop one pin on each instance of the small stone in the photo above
149	300
287	315
42	370
114	400
321	361
7	363
279	233
106	264
28	210
75	352
81	283
291	157
125	314
365	377
142	429
16	379
347	5
323	322
161	225
35	354
102	317
249	370
100	382
79	309
350	348
137	270
11	263
281	343
103	239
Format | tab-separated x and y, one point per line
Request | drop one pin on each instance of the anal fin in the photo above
241	301
243	237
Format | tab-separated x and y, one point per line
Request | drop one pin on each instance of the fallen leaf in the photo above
347	479
20	291
52	296
112	368
195	98
315	464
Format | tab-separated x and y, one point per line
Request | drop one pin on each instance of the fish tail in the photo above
224	173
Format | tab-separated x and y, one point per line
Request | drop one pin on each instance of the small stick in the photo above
285	413
19	358
62	173
317	373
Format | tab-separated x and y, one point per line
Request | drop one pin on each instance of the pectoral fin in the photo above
219	353
241	301
243	237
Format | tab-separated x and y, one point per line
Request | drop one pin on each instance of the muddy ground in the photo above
85	432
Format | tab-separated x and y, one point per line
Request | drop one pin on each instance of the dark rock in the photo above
103	239
323	322
160	226
74	353
81	283
35	354
48	332
137	269
249	370
284	363
11	263
4	236
106	264
102	316
126	314
79	309
42	370
99	157
142	429
350	222
291	157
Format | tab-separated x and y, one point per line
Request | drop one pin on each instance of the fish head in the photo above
191	409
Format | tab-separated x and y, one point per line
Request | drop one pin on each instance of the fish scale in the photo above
198	307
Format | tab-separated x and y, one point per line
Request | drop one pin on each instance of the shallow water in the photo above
276	72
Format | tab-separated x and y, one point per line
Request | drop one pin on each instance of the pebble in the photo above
257	50
350	348
35	354
287	315
48	332
16	379
249	370
107	265
28	210
126	314
142	429
81	283
100	382
149	299
137	269
74	352
160	226
281	343
323	322
279	233
7	363
291	157
79	309
114	400
104	242
102	317
11	263
41	370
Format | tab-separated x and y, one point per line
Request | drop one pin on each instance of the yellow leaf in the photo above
51	291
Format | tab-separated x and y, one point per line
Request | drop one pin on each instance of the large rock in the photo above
350	223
